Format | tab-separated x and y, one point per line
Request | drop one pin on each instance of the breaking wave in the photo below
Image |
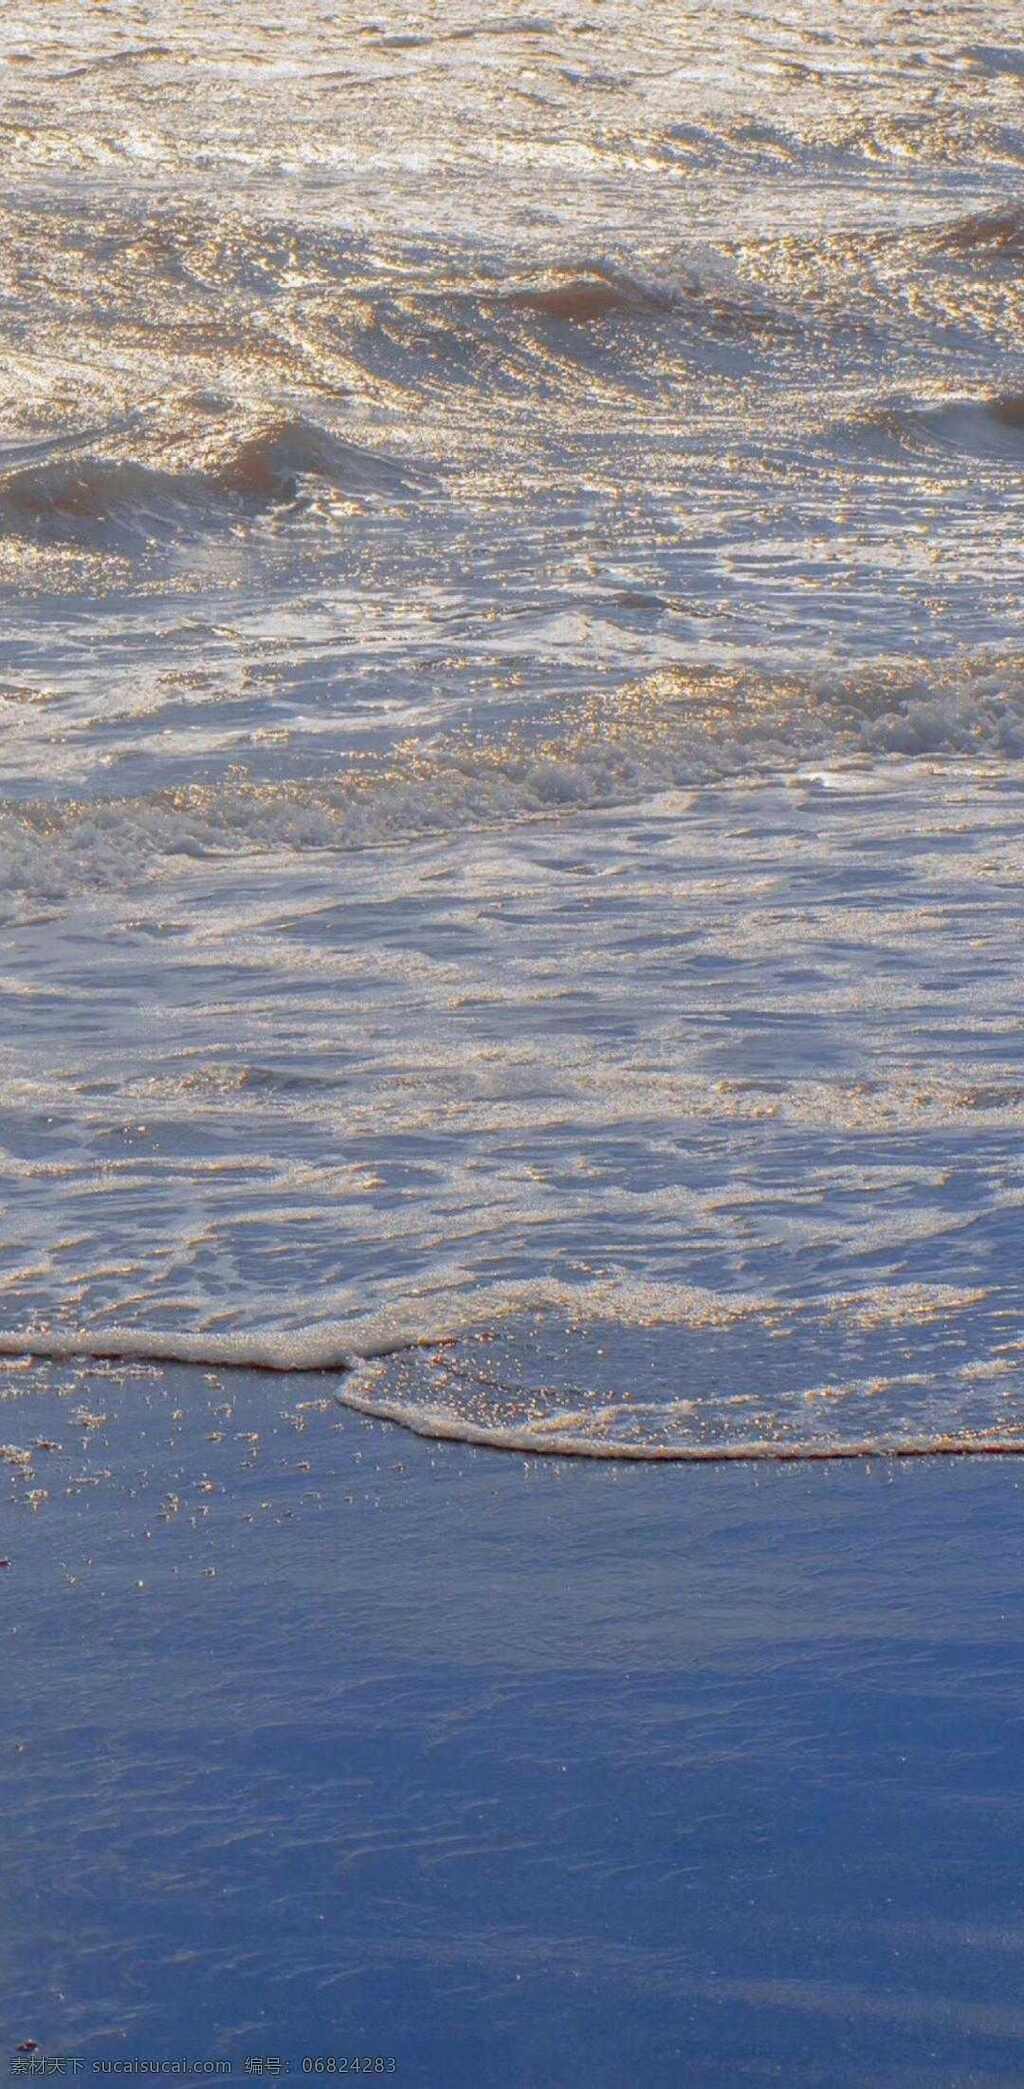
89	499
990	427
423	1322
513	331
579	298
984	235
674	729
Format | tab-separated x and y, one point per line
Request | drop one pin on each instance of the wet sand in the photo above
324	1740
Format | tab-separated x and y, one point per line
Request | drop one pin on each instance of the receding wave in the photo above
671	1371
96	500
673	729
562	1440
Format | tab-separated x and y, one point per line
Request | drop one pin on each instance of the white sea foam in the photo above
676	728
502	1414
553	1441
339	1344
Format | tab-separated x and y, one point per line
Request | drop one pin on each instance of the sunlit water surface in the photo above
512	700
512	705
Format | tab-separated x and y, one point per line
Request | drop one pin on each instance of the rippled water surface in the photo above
512	687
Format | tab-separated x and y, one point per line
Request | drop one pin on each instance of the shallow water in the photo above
513	697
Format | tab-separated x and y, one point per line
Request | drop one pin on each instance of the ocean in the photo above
512	704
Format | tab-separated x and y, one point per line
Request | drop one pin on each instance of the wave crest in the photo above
990	427
579	299
984	234
93	499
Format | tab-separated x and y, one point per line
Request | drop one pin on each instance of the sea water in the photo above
513	703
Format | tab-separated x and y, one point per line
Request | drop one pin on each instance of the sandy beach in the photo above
325	1741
